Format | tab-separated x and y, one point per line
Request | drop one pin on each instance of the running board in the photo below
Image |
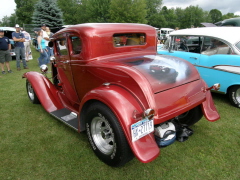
67	117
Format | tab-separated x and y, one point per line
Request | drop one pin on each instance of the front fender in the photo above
123	104
45	91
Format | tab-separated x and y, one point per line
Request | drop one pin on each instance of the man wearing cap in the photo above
5	48
46	37
18	39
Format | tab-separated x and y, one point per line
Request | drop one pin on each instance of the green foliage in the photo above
153	9
47	12
215	15
128	11
96	10
24	11
132	11
229	15
170	17
72	11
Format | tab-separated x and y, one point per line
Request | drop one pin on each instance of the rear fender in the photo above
45	91
123	104
208	108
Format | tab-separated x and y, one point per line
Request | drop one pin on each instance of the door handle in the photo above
194	58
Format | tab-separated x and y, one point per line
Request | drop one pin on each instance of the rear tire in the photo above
191	117
31	93
234	96
106	136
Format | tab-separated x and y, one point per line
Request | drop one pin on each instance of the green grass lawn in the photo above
36	146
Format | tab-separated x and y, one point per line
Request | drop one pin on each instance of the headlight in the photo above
43	68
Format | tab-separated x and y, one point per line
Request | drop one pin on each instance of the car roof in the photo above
166	29
231	22
8	28
230	34
108	27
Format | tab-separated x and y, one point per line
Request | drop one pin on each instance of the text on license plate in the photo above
141	128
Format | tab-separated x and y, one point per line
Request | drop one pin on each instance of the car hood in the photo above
163	72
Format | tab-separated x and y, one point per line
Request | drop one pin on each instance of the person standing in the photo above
5	56
27	44
47	39
50	34
18	39
42	49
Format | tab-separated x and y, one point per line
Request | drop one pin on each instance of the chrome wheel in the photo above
31	94
102	135
30	91
106	136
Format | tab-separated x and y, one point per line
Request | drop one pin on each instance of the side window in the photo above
76	45
186	43
213	46
61	47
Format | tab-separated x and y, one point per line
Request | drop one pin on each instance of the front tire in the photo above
234	96
31	93
191	117
106	136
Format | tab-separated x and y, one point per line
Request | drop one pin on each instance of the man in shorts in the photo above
5	56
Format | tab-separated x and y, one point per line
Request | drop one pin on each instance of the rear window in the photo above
129	39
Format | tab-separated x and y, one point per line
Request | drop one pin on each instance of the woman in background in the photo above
50	48
42	49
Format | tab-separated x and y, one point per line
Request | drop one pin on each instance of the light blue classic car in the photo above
215	52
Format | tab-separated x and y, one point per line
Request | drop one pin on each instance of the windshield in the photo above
238	46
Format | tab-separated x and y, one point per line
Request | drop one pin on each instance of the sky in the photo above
225	6
7	8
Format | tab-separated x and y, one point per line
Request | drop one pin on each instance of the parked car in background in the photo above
163	33
229	22
214	51
108	80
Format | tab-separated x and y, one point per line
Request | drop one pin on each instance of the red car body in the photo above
128	78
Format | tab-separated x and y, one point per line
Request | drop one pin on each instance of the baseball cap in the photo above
17	26
1	30
43	25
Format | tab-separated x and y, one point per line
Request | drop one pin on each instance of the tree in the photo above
180	15
153	8
128	11
96	10
72	11
24	10
47	12
229	15
215	15
170	17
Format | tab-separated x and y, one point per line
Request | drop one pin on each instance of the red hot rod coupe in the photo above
108	80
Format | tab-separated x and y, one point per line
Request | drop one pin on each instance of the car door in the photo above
185	47
217	64
64	69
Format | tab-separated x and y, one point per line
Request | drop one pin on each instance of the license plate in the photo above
141	129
